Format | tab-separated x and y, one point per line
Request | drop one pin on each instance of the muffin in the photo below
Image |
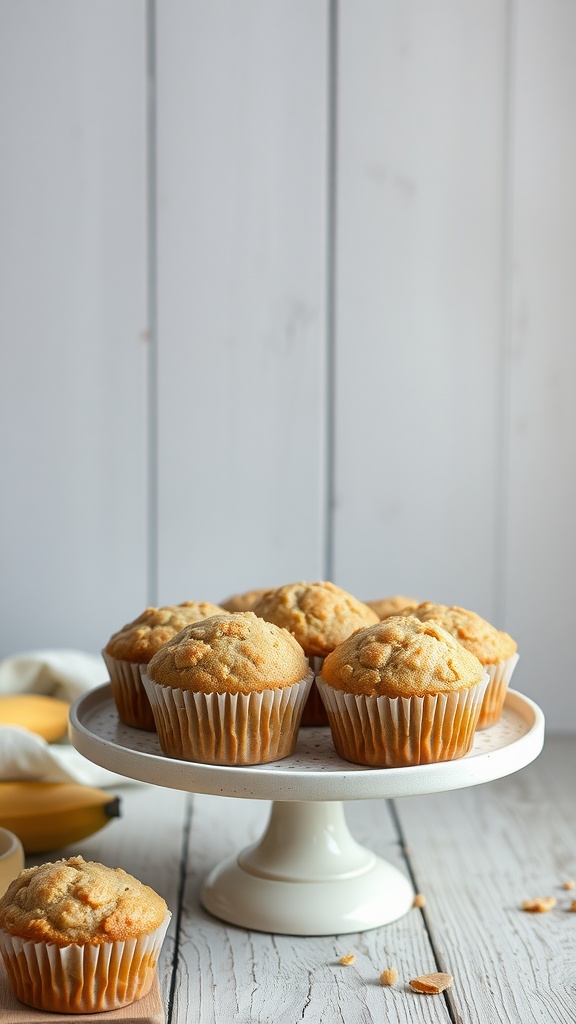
243	602
132	647
229	690
402	693
495	649
386	606
78	937
319	616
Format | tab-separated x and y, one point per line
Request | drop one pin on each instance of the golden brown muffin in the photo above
135	644
140	639
387	606
243	602
489	644
320	616
402	692
495	649
67	912
79	901
235	652
229	690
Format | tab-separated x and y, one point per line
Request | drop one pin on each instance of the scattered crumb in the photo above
419	900
573	906
431	984
389	976
569	884
346	960
540	905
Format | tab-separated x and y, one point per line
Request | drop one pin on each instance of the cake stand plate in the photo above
307	875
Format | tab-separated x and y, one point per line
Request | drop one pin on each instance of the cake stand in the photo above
307	875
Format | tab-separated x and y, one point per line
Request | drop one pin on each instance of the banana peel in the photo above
46	716
48	815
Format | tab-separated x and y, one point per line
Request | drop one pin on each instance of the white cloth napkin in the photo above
66	674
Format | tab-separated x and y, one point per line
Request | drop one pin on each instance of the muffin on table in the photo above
79	937
243	602
386	606
494	648
401	693
132	647
229	690
320	616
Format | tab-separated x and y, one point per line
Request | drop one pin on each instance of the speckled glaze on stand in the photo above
307	875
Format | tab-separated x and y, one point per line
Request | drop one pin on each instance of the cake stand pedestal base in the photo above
307	876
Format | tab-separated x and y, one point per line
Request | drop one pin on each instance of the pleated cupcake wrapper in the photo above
129	694
394	732
314	712
230	728
81	979
499	680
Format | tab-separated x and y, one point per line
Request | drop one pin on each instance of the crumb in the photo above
389	976
569	884
419	900
573	905
540	905
346	960
431	984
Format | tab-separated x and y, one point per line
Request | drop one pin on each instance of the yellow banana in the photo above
48	815
46	716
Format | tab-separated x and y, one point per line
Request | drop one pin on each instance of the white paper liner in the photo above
230	728
499	680
81	979
395	732
129	694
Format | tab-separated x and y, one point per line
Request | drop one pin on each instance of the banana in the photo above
48	815
46	716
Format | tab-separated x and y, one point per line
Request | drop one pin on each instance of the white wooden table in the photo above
476	854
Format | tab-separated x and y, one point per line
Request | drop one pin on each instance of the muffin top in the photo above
319	615
387	606
80	902
489	644
401	657
139	640
243	602
234	652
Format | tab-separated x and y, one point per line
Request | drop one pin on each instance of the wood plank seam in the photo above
331	257
186	831
448	995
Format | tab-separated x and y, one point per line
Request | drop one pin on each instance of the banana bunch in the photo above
46	716
48	815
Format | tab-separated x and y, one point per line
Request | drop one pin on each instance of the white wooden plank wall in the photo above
421	102
396	412
72	320
241	294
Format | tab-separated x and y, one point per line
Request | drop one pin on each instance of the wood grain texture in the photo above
541	496
477	854
241	234
72	312
419	296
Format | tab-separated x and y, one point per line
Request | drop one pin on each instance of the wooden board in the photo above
148	1010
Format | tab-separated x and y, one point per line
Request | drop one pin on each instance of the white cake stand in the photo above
307	875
